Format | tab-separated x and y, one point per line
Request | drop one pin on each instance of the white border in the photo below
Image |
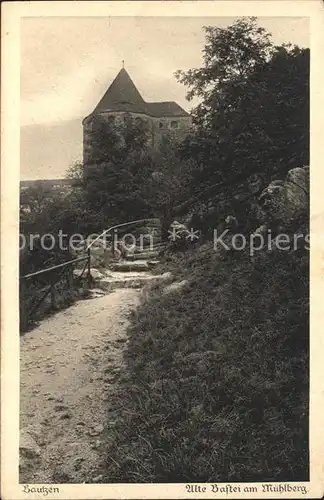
10	104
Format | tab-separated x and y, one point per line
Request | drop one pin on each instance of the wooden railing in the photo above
124	224
53	275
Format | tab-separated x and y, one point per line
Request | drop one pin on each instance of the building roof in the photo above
122	95
167	108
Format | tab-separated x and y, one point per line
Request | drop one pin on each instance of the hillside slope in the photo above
217	386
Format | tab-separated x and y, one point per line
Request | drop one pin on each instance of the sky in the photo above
68	63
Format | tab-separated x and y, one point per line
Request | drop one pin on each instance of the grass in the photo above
216	387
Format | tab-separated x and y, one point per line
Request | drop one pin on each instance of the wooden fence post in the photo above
70	277
53	297
89	268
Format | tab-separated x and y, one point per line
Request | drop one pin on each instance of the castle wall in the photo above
176	127
118	118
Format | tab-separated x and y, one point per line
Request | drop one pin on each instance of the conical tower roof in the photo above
122	95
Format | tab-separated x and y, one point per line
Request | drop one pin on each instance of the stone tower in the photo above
122	97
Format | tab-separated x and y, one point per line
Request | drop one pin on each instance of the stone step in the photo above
140	251
154	246
141	256
131	280
129	266
152	263
133	265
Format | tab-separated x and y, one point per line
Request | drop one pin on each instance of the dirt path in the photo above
69	365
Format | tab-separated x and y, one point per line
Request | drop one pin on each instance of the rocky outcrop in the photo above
215	205
283	219
285	212
285	203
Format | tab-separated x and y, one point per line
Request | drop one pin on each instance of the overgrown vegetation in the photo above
254	110
218	375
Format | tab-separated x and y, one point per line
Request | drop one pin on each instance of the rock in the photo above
65	416
287	202
178	235
166	275
98	257
97	479
50	370
300	177
121	340
175	286
152	263
97	429
36	431
178	227
254	183
261	229
94	273
231	222
78	464
60	408
28	446
96	292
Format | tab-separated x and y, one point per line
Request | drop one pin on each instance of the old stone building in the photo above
122	98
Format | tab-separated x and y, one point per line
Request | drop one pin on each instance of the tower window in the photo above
111	118
161	125
138	120
174	124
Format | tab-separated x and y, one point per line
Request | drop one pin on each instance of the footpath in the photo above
69	368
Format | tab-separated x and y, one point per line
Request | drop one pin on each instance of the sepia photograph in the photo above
164	241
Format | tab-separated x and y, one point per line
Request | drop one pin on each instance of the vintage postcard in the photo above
162	249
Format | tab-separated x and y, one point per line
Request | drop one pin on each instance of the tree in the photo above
230	56
75	171
117	156
125	177
35	198
169	183
253	115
